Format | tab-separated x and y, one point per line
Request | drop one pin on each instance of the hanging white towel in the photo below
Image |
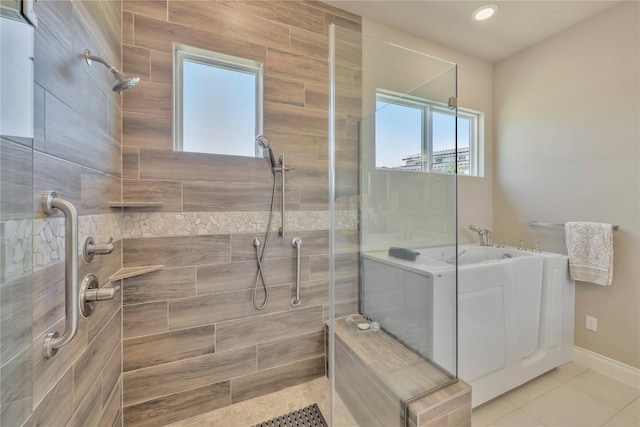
590	249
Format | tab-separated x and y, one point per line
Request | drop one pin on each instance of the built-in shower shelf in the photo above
136	204
125	273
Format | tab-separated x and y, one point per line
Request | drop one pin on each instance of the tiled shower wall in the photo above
192	340
76	152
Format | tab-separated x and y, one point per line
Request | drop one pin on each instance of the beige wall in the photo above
475	91
567	149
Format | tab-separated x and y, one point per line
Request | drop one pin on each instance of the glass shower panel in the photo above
393	309
16	278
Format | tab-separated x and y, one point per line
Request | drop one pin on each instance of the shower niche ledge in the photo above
136	204
128	272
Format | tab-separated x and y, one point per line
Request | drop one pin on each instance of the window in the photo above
217	102
419	135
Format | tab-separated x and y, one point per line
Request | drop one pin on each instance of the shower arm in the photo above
89	58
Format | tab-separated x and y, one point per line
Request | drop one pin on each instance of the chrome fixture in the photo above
296	242
50	205
122	82
452	104
91	293
282	169
489	236
91	248
482	232
536	248
522	247
548	224
263	142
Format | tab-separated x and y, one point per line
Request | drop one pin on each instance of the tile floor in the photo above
251	412
569	396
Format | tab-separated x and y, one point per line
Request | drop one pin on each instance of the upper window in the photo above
418	134
217	102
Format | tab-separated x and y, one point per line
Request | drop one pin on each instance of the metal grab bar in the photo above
297	243
50	205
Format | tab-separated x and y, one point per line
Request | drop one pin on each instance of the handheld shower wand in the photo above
263	142
258	244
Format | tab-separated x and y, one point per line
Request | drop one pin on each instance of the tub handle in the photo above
296	242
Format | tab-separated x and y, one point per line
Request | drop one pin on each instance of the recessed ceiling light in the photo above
484	12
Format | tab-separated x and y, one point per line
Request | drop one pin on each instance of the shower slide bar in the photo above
548	224
296	242
282	169
51	203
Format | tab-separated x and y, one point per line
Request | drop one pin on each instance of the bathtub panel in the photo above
528	292
444	320
556	314
510	331
482	333
396	299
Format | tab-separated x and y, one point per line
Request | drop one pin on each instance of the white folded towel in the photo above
590	249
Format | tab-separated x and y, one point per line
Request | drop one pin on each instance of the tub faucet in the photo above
482	232
489	237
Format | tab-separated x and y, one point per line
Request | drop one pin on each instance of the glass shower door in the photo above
16	299
392	309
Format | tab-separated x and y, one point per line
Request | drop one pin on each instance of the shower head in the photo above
122	82
263	142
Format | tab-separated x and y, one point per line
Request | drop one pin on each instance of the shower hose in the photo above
257	244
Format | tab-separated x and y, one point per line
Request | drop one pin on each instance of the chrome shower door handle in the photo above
51	203
296	242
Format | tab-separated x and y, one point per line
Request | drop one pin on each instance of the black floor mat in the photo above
305	417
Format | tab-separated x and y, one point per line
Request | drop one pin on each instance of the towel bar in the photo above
548	224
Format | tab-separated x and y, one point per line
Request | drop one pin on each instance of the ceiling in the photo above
517	25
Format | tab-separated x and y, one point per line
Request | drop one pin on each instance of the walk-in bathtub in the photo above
515	311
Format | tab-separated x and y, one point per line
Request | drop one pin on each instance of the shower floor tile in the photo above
256	410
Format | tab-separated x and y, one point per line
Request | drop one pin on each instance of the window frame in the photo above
219	60
428	107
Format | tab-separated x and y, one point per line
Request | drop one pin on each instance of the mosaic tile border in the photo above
48	233
199	223
16	247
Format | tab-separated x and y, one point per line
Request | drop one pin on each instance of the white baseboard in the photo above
605	365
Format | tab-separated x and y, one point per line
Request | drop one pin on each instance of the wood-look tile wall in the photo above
76	151
192	339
